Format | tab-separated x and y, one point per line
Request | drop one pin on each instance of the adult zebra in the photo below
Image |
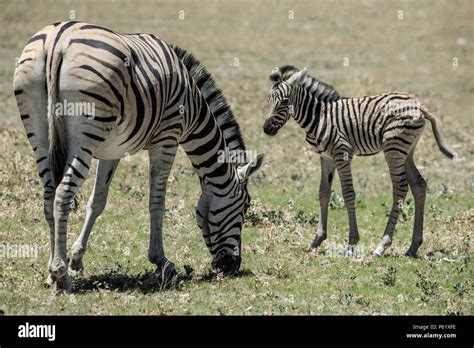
339	128
144	98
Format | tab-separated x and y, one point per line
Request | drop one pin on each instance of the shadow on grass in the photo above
146	282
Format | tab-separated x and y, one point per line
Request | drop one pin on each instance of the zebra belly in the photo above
112	148
104	140
318	148
365	154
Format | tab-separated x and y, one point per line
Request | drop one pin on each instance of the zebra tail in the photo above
58	148
444	148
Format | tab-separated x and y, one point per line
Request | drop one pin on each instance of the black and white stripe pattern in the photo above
340	128
146	95
320	90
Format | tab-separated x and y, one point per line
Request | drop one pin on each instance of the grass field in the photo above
427	49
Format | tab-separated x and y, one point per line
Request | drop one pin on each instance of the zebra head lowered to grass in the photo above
145	95
339	128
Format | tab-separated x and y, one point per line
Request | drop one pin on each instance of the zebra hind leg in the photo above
31	99
418	188
95	207
396	164
77	168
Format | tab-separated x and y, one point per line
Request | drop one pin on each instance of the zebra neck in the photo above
204	144
307	111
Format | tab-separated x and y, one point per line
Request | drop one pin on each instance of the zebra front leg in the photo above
418	188
77	168
396	165
95	207
327	174
161	161
343	165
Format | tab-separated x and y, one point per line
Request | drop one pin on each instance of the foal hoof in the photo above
316	243
350	251
378	251
411	254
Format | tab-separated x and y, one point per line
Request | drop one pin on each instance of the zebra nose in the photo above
269	128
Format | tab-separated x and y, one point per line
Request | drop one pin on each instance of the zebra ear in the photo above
248	169
298	77
275	74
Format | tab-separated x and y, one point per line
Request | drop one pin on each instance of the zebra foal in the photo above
340	128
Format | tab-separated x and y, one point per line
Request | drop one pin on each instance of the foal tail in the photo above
435	125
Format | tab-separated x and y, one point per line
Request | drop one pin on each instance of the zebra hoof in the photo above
77	265
378	252
63	286
50	280
166	270
350	251
316	243
411	254
78	252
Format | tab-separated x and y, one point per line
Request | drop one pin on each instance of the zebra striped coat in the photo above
143	97
340	128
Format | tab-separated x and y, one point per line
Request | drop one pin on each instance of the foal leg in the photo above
327	175
343	165
418	188
95	207
396	165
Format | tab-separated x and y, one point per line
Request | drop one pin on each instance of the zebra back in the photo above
214	98
322	91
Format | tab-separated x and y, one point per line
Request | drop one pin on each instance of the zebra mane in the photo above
214	98
320	90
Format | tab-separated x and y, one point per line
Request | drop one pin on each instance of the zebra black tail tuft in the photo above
58	149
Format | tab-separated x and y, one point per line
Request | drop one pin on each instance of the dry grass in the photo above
385	53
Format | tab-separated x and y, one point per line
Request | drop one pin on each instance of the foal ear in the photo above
275	74
298	77
248	169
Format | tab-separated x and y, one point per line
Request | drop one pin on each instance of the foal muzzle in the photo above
269	128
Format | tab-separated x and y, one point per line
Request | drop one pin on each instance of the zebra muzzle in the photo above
269	128
226	262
